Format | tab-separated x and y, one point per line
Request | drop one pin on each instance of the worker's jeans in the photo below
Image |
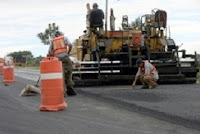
67	72
148	80
97	30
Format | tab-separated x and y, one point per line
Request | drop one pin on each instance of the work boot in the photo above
145	87
70	91
154	86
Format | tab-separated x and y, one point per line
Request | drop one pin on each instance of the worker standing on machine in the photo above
96	17
147	74
60	47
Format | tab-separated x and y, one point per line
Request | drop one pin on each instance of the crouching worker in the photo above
147	74
60	47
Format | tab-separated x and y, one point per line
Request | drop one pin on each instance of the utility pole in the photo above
106	17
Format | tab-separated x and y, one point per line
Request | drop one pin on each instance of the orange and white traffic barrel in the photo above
8	70
1	66
52	91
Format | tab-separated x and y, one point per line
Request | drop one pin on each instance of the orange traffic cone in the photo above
52	92
8	70
1	66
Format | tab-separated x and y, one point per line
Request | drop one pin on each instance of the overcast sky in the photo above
22	20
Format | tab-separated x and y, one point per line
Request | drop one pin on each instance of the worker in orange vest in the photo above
147	74
60	47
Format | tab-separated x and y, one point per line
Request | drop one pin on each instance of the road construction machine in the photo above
111	57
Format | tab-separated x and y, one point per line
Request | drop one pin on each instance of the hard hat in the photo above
138	61
95	4
57	33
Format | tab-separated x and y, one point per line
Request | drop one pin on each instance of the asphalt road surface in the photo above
95	110
178	104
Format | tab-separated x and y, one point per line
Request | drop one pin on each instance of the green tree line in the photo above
25	58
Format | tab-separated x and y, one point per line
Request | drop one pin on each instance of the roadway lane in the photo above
178	104
82	116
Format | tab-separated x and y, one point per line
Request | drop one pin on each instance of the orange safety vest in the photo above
59	45
142	69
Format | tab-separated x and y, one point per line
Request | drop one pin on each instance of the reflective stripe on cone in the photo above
51	76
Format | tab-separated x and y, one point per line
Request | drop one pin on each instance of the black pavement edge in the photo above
174	119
